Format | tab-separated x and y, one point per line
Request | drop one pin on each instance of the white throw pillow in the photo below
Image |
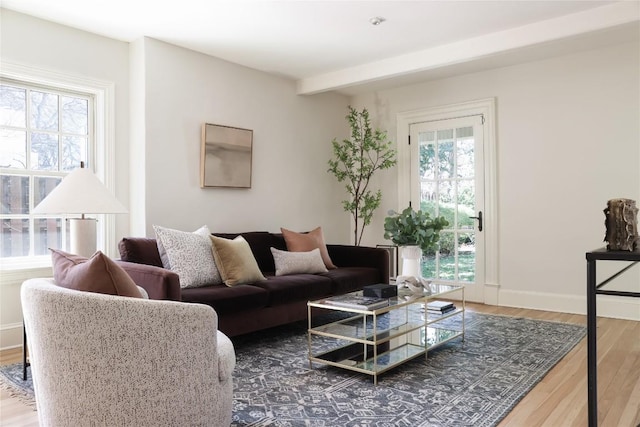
189	255
298	262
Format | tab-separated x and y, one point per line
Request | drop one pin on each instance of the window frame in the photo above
101	155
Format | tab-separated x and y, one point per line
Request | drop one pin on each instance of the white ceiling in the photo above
331	45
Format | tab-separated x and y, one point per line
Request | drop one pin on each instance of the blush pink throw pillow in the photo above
97	274
305	242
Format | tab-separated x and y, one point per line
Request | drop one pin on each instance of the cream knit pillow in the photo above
298	262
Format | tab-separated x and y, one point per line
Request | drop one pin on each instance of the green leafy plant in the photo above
411	228
355	161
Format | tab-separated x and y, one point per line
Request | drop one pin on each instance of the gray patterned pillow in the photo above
189	255
298	262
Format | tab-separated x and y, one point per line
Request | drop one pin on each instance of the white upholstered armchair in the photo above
104	360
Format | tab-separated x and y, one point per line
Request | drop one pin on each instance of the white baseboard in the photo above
607	306
11	336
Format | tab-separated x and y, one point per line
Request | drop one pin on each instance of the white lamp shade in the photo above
80	192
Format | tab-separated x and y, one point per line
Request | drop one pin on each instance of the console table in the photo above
594	289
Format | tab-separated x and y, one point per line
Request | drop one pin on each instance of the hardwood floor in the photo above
560	399
13	412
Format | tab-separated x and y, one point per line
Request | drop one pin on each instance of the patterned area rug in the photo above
472	383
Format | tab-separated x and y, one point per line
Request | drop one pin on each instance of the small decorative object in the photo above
355	161
225	156
416	233
622	225
416	284
380	290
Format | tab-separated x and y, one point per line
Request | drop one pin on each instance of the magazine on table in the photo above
358	302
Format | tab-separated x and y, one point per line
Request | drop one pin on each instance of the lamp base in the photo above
82	236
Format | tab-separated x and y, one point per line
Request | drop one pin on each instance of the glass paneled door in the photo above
447	180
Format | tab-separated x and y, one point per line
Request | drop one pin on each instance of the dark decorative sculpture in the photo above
622	225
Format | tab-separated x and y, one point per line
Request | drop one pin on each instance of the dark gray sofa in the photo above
263	304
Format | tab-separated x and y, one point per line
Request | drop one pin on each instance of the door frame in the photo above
486	108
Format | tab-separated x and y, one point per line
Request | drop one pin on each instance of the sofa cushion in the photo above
226	299
189	255
140	250
349	279
97	274
236	261
298	262
304	242
298	287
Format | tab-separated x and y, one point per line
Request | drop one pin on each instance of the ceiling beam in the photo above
591	20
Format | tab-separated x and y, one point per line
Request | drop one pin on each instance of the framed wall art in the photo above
225	156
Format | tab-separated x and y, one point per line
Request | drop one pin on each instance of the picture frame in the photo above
225	156
393	260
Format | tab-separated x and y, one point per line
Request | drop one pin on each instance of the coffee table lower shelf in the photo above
359	357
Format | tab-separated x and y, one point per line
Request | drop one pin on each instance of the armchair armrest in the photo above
361	256
159	282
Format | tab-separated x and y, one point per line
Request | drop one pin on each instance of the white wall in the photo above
568	140
291	146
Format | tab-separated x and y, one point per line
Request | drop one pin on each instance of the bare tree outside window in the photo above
44	134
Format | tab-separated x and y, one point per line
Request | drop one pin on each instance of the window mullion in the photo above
28	128
28	132
59	131
32	221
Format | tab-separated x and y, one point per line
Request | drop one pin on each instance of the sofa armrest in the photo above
159	282
361	256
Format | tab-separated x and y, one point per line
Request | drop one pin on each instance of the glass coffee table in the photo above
372	341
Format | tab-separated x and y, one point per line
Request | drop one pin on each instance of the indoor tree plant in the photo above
355	161
415	232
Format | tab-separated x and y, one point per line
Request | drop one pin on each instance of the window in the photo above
45	132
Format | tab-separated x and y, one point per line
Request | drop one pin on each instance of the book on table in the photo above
358	302
440	306
443	311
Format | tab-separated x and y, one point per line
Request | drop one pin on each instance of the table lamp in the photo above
80	192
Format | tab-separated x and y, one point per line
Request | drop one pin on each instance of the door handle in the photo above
479	218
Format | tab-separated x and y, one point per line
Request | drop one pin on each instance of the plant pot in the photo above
411	269
412	261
